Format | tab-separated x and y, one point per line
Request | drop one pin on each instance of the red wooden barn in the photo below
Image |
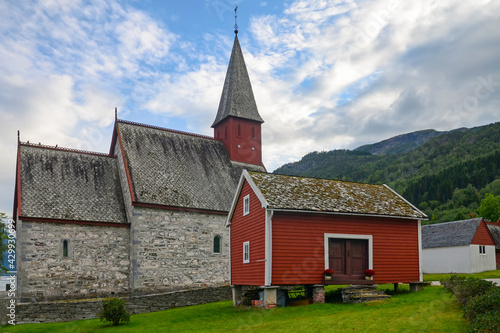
287	230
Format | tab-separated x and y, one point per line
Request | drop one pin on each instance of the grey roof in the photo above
495	232
237	95
69	185
457	233
325	195
178	169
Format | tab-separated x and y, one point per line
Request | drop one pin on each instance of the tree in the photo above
489	208
3	242
113	310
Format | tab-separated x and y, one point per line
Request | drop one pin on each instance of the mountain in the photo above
400	144
430	168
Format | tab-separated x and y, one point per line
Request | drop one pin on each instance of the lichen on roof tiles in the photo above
59	184
312	194
179	170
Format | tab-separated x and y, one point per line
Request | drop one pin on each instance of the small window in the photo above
482	249
65	248
239	130
246	252
246	205
217	244
253	132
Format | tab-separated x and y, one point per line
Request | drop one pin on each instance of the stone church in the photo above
147	217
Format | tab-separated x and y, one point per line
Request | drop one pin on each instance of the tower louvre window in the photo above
239	130
253	132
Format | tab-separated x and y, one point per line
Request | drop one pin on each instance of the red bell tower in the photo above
238	123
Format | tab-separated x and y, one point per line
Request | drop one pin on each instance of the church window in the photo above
246	252
239	130
217	240
246	205
253	132
65	248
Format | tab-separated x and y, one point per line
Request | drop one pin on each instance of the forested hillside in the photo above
446	174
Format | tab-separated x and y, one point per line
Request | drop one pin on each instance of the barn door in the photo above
348	257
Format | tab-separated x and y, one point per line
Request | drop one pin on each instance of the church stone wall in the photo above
174	250
97	262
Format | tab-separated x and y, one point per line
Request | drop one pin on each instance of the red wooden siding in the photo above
248	228
497	256
483	236
298	246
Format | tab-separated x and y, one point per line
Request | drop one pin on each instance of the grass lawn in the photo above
430	310
482	275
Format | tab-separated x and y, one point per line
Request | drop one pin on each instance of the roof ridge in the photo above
65	149
164	129
318	178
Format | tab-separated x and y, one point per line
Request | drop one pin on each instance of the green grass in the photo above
430	310
482	275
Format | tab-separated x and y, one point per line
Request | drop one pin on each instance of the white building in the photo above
458	247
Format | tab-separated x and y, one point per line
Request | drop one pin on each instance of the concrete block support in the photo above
270	297
237	295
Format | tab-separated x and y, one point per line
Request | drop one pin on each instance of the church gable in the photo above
176	169
60	184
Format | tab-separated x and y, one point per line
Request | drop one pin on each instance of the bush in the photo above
486	323
113	310
452	282
488	302
471	287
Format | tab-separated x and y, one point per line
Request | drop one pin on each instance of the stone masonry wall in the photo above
97	264
87	309
174	250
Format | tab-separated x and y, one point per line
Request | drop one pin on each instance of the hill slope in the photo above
424	166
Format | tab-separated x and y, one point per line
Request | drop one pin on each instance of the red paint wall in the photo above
248	228
298	246
483	236
245	153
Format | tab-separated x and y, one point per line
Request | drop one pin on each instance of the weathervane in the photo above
236	19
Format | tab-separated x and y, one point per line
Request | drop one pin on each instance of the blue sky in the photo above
326	74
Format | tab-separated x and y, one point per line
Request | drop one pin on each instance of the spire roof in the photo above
237	96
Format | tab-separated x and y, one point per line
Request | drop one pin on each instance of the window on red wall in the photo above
246	252
246	205
239	130
253	132
225	132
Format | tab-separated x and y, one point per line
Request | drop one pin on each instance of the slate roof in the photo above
495	232
69	185
178	169
237	95
457	233
325	195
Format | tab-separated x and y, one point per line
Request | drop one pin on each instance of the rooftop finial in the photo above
116	113
236	19
18	136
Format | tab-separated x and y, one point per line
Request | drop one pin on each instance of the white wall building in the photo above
458	247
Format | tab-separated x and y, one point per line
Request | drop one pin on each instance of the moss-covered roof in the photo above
69	185
325	195
179	169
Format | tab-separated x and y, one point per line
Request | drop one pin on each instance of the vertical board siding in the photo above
248	228
298	246
483	236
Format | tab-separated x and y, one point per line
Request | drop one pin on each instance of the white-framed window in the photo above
246	205
246	252
482	249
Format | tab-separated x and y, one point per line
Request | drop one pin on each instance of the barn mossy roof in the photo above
456	233
326	195
69	185
178	169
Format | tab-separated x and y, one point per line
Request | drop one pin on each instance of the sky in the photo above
325	74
